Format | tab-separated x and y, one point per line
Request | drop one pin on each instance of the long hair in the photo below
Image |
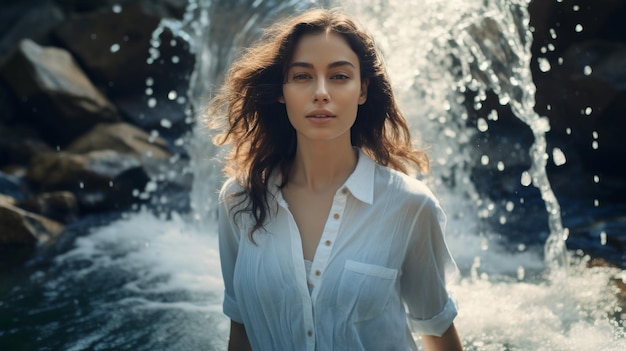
251	119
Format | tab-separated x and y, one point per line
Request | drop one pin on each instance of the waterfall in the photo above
152	282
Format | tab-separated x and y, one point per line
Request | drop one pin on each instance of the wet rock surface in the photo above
80	135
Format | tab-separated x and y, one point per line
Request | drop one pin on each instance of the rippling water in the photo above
147	281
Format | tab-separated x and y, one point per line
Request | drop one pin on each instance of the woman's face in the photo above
323	88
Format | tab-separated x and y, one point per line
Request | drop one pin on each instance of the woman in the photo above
325	242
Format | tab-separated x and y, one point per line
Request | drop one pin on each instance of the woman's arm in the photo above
238	338
448	341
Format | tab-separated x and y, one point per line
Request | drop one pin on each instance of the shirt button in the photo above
311	285
318	273
327	242
336	216
344	191
309	333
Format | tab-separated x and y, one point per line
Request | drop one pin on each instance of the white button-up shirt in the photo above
378	273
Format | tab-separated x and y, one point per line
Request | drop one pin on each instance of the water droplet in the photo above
181	100
596	179
117	8
551	47
552	33
603	238
560	61
93	36
493	115
154	134
595	145
149	81
110	183
587	70
484	160
81	185
151	186
152	102
595	134
576	7
500	166
149	91
568	131
482	125
521	247
502	220
484	245
165	123
588	111
509	206
579	28
558	157
173	42
596	202
115	48
520	273
172	95
449	132
175	59
544	64
526	179
504	99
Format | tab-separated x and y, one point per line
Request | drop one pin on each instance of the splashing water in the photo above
152	282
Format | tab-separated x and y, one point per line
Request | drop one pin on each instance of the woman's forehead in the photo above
323	47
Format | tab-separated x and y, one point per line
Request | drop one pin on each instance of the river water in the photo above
151	281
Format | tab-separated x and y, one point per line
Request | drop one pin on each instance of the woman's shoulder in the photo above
230	188
403	187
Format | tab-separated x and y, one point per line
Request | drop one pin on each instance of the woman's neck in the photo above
322	166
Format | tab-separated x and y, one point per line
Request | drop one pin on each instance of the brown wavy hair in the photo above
250	118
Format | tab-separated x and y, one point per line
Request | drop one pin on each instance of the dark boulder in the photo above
55	92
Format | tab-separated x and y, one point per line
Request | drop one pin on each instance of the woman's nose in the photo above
321	93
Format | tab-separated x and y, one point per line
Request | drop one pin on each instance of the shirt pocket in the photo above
364	289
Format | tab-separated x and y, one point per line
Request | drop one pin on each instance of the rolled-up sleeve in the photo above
427	267
228	234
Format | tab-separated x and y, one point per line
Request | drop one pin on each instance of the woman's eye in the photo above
300	76
340	76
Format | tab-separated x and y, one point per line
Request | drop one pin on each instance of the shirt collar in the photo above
360	182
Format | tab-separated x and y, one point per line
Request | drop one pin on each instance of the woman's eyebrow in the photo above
330	65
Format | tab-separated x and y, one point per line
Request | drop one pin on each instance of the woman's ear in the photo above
363	96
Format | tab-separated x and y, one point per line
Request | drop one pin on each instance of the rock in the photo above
101	180
160	8
36	23
121	137
61	206
19	144
148	84
112	46
6	200
58	95
19	227
11	186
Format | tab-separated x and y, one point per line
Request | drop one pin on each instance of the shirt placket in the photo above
327	240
